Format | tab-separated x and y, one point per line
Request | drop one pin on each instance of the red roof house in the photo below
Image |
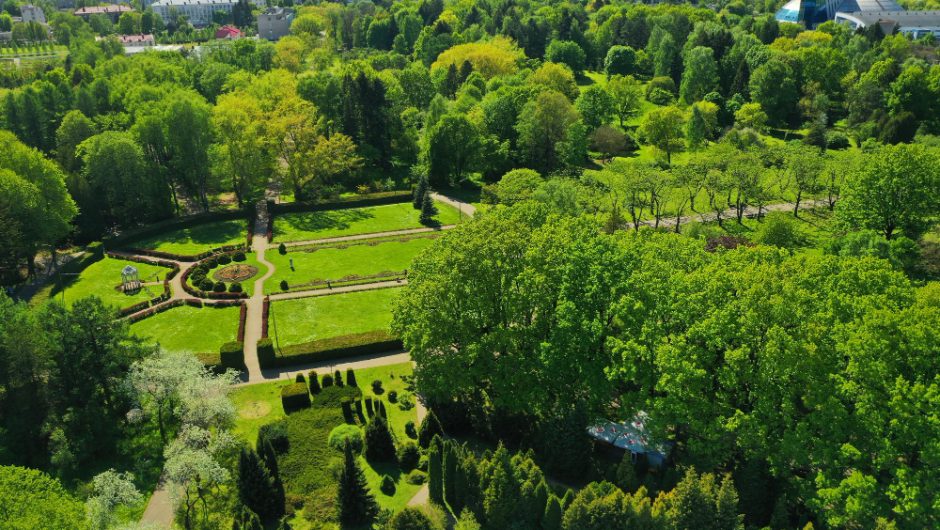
228	32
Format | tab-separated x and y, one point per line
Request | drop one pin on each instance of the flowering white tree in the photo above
111	489
193	469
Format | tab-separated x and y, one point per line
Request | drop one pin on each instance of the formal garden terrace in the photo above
267	289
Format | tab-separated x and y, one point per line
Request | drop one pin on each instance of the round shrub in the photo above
377	386
837	140
327	381
219	287
282	249
239	256
206	284
408	456
393	396
197	275
410	430
388	485
235	288
340	435
211	263
416	477
300	379
224	259
275	434
284	285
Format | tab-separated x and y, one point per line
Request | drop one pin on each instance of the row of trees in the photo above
753	361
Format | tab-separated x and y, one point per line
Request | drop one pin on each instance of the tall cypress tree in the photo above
355	504
429	428
428	210
435	471
256	488
551	520
421	189
450	475
379	444
270	461
246	520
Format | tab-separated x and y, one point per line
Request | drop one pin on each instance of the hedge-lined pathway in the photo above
338	290
255	304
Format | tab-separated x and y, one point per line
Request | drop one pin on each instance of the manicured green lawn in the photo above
197	239
305	319
103	279
360	259
352	221
307	467
190	329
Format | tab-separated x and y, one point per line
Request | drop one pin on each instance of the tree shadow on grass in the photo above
325	220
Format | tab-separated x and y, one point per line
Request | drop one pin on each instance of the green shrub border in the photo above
371	342
137	234
295	397
372	199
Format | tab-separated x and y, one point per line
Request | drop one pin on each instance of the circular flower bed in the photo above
238	272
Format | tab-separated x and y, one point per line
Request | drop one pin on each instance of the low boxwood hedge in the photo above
378	341
232	355
266	357
294	397
372	199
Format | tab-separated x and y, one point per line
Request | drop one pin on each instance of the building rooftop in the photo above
177	3
103	10
907	19
853	6
130	40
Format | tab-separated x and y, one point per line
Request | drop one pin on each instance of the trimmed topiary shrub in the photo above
239	256
408	456
388	485
327	381
430	426
266	357
232	355
314	382
410	430
351	377
416	477
377	386
206	284
219	287
284	285
300	379
282	249
393	396
338	378
369	410
343	433
224	259
294	397
235	288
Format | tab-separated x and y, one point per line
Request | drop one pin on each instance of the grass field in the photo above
103	278
359	259
305	319
200	238
190	329
307	468
352	221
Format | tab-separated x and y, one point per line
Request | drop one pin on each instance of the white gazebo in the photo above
130	280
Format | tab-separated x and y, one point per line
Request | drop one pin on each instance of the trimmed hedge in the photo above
144	232
372	199
154	310
186	257
266	356
242	316
232	354
134	308
265	308
294	397
379	341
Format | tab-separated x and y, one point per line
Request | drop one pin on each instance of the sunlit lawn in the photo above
190	329
197	239
103	279
352	221
305	319
358	258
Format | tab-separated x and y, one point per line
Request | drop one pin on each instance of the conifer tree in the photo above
435	471
351	377
551	520
421	189
256	488
429	428
379	444
450	475
269	457
246	520
428	210
355	503
726	506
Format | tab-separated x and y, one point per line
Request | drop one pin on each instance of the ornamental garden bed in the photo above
303	226
306	466
103	279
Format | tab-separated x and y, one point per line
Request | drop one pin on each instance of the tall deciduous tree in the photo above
663	127
453	149
243	155
627	93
